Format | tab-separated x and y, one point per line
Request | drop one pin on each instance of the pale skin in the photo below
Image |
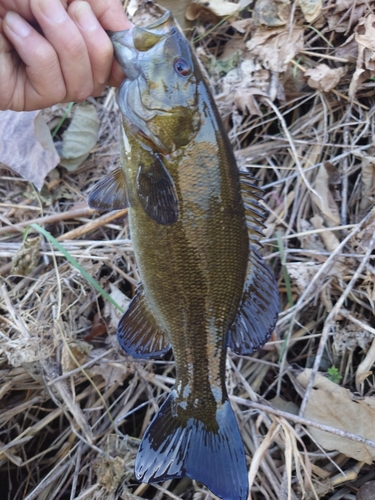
55	51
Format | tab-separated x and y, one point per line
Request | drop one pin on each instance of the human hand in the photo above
70	61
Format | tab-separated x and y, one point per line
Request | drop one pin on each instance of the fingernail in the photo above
17	24
53	10
85	17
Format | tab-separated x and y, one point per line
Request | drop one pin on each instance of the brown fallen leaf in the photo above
365	37
366	491
364	369
332	405
27	257
275	48
220	8
80	137
98	328
310	9
325	202
324	78
271	13
26	145
367	198
74	352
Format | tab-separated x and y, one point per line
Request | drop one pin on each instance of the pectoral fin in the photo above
138	332
110	192
157	192
259	309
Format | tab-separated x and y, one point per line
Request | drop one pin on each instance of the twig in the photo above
49	219
92	225
330	318
304	421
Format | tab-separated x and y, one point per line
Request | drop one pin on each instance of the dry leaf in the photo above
80	137
325	202
367	199
242	84
339	23
220	8
111	372
271	13
366	491
361	241
331	242
365	37
310	9
364	369
26	145
98	328
242	25
110	310
349	337
27	257
301	273
332	405
73	353
310	241
322	77
275	48
347	4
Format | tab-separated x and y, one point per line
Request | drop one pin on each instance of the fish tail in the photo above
211	451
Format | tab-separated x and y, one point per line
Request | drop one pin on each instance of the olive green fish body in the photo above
193	271
203	287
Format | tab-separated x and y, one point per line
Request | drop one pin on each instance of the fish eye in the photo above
182	67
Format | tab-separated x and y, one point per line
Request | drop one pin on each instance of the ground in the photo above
294	83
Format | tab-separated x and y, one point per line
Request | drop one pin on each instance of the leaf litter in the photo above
294	83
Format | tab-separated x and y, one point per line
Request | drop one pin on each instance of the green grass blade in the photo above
285	270
75	264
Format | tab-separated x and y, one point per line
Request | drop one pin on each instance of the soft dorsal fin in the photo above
157	192
259	309
254	212
110	192
138	332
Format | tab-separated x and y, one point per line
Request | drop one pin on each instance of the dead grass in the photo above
73	406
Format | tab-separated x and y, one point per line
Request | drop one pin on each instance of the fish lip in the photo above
125	52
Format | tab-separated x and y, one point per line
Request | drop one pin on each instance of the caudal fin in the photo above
178	445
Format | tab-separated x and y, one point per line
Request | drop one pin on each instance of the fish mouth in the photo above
125	52
128	43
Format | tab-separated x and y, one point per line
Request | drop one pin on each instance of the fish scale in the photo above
204	286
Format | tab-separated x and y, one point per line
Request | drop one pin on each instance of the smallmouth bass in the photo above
204	287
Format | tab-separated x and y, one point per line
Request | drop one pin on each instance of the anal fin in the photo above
258	312
138	332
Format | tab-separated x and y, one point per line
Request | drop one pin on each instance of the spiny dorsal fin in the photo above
157	192
110	192
138	332
254	212
259	309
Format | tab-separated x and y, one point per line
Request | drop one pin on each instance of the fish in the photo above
195	223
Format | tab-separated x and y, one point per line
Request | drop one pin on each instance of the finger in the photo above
99	46
21	7
39	83
7	73
64	36
110	14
